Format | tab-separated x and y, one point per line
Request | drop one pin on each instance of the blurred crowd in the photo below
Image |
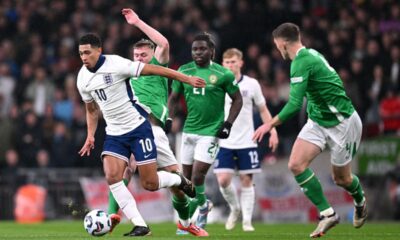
42	118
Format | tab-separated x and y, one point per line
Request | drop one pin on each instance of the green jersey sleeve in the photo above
230	85
299	77
312	77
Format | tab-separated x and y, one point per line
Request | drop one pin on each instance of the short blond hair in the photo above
232	52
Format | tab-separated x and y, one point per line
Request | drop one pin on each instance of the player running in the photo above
152	94
332	122
103	83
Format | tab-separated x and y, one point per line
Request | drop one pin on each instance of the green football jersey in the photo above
152	91
205	105
312	77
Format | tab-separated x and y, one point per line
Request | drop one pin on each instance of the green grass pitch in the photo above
74	230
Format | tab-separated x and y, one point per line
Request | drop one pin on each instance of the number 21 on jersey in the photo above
199	91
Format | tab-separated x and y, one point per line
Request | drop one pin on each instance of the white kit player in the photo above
239	152
103	83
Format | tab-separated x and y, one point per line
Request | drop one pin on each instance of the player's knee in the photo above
112	178
224	183
247	183
295	168
150	185
342	181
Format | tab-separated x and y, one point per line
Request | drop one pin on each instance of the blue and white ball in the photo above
97	222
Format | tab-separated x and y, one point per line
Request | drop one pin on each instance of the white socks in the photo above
127	203
185	223
231	196
167	179
327	212
247	200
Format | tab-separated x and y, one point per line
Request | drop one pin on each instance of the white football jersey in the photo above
243	127
109	87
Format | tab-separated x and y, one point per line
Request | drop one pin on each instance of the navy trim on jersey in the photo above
132	99
240	79
99	63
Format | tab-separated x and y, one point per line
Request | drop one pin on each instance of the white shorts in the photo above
165	156
343	139
199	148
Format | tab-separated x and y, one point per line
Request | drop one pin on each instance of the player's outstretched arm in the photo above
266	116
265	128
150	69
92	117
162	50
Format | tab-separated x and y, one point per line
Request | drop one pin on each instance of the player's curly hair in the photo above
208	38
288	31
92	39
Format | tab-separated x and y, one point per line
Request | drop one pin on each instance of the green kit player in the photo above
332	122
152	95
204	123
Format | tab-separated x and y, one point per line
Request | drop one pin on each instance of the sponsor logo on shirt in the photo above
296	79
107	79
212	78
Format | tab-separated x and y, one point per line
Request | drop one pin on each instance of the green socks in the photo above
181	206
198	201
355	190
112	204
312	188
200	195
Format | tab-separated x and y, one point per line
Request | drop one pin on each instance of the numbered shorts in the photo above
165	156
343	139
243	160
139	142
199	148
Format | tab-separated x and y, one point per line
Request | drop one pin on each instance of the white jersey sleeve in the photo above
85	95
243	127
126	67
258	96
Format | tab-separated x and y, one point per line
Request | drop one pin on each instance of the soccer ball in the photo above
97	222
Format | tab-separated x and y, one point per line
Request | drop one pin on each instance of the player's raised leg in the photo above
341	165
344	178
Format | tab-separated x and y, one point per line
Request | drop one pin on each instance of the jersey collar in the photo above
297	53
240	79
99	63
